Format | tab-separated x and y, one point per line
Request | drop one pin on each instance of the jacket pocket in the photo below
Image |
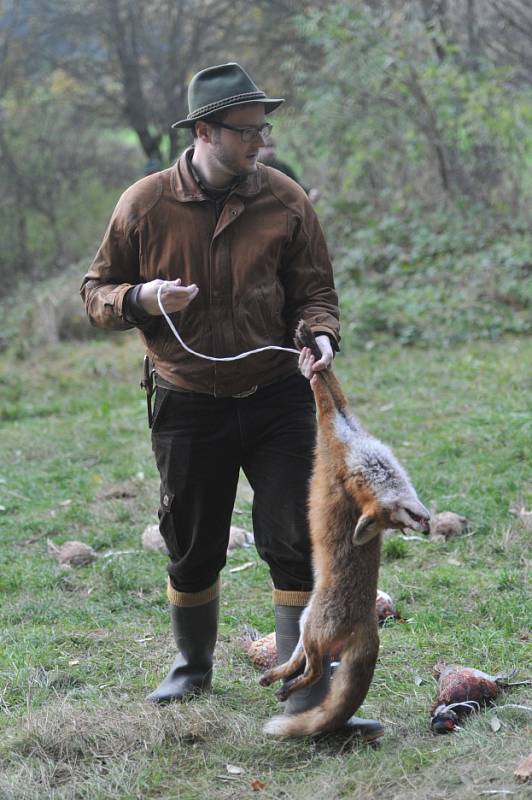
172	456
166	522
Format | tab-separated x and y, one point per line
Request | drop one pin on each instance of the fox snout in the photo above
417	519
423	523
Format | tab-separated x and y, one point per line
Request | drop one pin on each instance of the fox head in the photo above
379	487
403	512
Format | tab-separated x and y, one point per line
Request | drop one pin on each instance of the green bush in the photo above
439	281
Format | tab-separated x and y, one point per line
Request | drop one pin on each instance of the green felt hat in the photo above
216	88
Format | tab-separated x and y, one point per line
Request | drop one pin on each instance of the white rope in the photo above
214	358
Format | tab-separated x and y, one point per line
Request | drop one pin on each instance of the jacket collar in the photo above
186	188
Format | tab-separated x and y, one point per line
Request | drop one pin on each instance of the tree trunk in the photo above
124	34
473	43
22	256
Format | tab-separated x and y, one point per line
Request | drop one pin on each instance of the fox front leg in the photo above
312	673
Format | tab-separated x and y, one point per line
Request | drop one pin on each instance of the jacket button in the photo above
234	213
165	500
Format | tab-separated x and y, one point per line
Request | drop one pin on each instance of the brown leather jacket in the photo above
260	267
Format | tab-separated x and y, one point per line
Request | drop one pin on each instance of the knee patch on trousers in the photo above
192	599
282	597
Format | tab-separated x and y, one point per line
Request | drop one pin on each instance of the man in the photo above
240	257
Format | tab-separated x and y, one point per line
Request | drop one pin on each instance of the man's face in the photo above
227	149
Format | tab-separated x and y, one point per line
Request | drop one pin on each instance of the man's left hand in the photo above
324	343
308	364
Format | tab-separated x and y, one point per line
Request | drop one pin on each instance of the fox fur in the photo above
358	489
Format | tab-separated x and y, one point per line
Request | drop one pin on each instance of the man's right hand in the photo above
174	297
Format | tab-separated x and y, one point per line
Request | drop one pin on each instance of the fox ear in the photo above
366	528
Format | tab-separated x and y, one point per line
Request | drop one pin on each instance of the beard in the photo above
234	165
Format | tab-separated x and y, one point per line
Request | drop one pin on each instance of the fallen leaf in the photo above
523	771
98	632
3	508
418	680
257	785
65	502
73	662
232	770
118	494
495	724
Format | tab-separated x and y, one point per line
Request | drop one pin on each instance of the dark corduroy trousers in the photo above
200	444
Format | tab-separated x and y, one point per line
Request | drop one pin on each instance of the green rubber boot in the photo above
195	630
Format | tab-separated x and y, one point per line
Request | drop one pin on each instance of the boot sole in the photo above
177	698
368	737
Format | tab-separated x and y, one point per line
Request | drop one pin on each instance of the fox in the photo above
357	490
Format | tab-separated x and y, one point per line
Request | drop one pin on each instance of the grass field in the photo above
80	648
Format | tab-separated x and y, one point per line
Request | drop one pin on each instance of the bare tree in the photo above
510	35
133	60
435	18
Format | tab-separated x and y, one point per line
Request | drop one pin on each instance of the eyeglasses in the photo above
248	134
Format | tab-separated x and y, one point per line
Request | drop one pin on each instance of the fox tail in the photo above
349	688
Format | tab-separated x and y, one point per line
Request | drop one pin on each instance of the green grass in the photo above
80	648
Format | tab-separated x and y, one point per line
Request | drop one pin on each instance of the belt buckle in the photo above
247	393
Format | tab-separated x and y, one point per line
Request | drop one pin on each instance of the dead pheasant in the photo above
447	525
261	650
72	554
462	690
385	608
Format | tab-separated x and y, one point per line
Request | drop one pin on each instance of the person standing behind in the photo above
238	256
268	156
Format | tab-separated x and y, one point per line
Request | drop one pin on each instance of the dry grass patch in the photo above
68	751
63	732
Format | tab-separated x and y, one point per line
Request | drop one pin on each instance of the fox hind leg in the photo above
283	671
